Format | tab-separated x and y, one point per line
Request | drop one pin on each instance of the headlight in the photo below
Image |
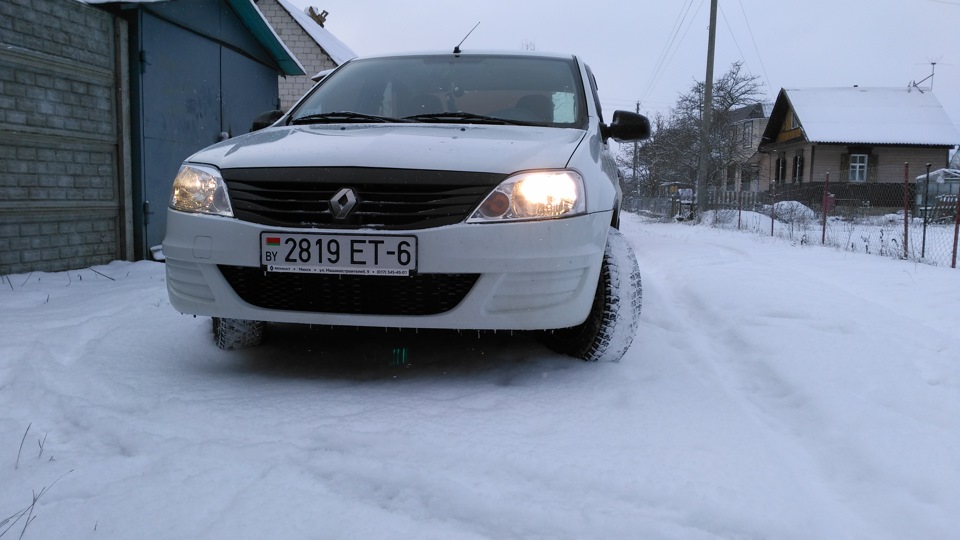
533	195
200	189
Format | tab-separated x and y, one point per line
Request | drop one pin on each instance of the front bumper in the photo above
532	275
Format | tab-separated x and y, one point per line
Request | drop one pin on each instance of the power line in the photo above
670	41
671	46
733	36
755	48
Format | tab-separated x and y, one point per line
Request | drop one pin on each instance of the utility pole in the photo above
704	169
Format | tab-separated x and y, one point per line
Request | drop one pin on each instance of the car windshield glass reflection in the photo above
443	89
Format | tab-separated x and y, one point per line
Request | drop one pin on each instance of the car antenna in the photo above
456	50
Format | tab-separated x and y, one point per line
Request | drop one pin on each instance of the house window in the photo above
794	121
747	140
732	177
781	173
858	167
797	171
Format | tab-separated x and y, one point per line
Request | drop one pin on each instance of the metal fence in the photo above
914	220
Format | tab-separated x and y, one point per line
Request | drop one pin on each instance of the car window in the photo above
595	91
535	90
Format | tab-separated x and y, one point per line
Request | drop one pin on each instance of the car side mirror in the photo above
266	119
626	126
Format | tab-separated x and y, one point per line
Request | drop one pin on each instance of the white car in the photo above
447	190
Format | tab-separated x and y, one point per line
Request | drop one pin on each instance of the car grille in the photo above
386	198
419	294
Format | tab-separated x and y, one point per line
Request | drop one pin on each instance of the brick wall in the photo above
61	198
310	54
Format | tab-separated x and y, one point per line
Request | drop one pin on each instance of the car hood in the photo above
476	148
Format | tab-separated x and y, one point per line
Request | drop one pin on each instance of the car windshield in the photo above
483	89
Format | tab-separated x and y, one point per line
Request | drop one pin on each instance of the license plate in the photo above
377	255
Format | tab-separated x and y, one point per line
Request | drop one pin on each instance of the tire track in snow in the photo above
719	350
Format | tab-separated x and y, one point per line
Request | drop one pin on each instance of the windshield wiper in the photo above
343	116
465	117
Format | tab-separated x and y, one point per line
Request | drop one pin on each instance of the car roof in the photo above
492	52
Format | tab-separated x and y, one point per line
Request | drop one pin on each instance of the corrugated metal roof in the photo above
872	116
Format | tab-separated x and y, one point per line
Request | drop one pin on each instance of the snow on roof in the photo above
258	25
338	51
872	116
752	111
941	175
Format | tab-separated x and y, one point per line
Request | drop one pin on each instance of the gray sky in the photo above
651	51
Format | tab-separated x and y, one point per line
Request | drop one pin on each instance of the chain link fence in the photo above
917	220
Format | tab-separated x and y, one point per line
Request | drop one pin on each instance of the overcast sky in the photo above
652	50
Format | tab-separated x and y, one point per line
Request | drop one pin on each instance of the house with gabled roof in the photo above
746	125
859	136
305	32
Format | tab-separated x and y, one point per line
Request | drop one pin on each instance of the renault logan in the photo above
458	190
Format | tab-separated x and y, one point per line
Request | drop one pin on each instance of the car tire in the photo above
231	334
610	327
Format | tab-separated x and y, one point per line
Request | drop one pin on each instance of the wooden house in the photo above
863	138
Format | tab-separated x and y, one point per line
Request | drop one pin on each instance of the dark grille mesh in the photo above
397	199
420	294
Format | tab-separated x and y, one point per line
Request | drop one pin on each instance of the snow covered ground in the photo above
774	391
878	235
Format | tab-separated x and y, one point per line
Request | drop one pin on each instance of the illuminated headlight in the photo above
533	195
200	189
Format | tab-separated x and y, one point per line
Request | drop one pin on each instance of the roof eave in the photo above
257	24
777	116
886	143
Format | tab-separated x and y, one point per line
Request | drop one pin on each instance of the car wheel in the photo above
612	323
237	333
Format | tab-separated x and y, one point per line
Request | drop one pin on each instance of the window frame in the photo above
858	171
746	137
780	174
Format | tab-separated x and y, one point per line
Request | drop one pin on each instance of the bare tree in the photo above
672	152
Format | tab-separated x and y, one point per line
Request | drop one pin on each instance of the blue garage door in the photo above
193	87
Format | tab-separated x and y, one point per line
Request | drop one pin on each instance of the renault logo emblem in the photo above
343	203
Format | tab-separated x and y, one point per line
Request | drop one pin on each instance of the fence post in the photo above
739	207
773	205
826	195
906	208
926	191
956	230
